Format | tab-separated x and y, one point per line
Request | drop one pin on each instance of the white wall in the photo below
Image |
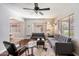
76	28
5	15
4	26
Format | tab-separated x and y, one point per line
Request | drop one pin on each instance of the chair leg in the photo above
51	46
28	51
25	53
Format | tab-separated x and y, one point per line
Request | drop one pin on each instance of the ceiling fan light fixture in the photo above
37	9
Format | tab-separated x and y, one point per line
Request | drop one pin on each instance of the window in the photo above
66	27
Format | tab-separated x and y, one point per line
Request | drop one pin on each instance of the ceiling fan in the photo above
37	9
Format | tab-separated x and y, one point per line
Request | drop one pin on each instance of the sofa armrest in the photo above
63	48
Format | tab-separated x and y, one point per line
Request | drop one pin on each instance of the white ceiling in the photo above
56	10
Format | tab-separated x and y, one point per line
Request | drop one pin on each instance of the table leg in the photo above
32	52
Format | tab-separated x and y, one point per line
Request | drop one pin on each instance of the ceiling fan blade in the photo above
45	9
36	4
28	9
41	13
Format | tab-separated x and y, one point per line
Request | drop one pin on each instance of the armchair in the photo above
12	50
41	42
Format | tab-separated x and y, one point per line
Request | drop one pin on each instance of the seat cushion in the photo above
62	39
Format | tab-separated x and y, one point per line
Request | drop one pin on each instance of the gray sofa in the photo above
62	45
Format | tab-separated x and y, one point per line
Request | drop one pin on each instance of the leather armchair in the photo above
12	50
40	42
